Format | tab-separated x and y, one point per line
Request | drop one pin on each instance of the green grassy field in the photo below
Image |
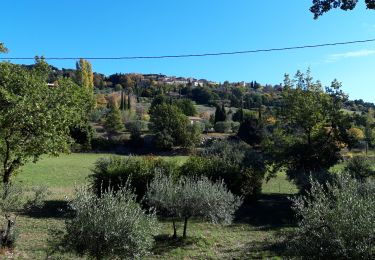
251	236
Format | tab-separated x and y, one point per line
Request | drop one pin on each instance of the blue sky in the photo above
135	28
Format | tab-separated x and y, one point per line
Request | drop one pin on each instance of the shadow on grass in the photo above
271	211
166	243
51	209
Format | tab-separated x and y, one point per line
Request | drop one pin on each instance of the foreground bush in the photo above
115	171
192	197
336	221
113	225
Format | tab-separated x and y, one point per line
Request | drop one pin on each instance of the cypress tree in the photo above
122	107
129	103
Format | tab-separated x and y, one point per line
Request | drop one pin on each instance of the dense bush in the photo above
141	125
336	221
112	225
135	128
98	114
102	144
241	168
360	168
192	197
235	126
115	171
223	127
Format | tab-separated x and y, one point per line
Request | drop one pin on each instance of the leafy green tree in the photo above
35	119
113	121
158	100
186	106
320	7
311	128
85	78
172	128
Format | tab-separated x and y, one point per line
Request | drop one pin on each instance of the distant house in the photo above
194	119
52	84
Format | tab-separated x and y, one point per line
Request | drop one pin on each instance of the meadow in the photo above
254	234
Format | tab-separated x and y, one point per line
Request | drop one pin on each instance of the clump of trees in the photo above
192	197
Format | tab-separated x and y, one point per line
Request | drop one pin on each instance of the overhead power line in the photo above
196	55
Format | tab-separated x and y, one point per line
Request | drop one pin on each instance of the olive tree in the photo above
35	118
192	197
112	225
336	221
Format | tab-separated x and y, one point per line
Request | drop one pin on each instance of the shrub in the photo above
336	221
192	197
251	131
136	128
360	168
235	126
241	168
106	144
223	126
112	225
114	172
98	114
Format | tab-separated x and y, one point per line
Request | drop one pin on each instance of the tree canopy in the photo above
311	128
35	118
172	128
320	7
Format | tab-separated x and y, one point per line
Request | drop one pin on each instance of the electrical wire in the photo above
196	55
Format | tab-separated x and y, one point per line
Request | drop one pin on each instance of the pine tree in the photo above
113	122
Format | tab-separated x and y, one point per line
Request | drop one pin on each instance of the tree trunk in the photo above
6	176
174	229
185	227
